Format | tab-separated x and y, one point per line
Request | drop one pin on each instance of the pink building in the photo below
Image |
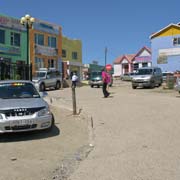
131	62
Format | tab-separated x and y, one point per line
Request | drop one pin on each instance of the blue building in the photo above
165	46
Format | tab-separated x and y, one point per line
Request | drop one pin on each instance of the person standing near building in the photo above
74	80
105	82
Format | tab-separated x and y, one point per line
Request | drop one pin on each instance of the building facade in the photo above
45	45
131	62
40	47
142	58
123	64
71	57
13	50
165	45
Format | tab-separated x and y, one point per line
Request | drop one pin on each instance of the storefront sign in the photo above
46	27
47	51
162	60
12	23
143	58
169	52
10	50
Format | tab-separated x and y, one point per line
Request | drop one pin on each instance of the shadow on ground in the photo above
28	136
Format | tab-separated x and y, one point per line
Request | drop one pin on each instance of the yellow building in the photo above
72	57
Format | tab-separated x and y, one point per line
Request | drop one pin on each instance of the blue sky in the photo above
123	26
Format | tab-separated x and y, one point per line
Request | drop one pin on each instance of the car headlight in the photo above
44	112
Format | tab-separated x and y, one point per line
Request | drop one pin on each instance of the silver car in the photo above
147	77
22	108
47	78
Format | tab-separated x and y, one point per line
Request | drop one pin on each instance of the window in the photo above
39	39
176	41
136	66
52	42
39	63
2	36
51	63
144	64
74	55
15	39
64	53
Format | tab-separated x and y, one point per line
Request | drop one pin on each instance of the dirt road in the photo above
41	155
136	133
135	137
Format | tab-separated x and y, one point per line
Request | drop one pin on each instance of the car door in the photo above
48	79
53	79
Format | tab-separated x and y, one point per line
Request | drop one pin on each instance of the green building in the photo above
13	48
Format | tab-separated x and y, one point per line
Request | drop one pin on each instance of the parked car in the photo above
47	78
96	79
147	77
166	74
22	108
127	76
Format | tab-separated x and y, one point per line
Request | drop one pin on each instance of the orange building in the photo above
45	45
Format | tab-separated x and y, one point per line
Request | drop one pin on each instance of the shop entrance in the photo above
18	70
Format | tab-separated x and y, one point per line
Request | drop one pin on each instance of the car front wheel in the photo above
42	87
58	85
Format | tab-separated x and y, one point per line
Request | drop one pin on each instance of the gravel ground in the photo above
136	133
45	155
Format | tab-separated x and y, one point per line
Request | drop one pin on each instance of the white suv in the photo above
47	78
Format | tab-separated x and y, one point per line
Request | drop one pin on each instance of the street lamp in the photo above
27	21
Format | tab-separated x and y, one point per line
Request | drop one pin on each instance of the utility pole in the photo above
105	55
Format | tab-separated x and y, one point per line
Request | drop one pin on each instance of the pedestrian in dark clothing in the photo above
105	82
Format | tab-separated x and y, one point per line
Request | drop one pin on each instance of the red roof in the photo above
131	57
128	57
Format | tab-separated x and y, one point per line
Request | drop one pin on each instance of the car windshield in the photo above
18	90
40	74
144	72
96	74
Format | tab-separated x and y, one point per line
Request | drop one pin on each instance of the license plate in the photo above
140	85
21	122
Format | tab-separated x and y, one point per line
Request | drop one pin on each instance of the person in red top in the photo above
105	82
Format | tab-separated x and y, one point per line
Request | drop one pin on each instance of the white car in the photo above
22	108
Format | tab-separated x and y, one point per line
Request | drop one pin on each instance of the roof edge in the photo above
171	24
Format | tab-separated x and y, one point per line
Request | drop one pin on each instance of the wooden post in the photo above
74	100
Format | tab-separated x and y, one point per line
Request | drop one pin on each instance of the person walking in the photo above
108	80
74	80
105	82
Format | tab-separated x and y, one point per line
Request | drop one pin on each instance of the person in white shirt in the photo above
74	80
